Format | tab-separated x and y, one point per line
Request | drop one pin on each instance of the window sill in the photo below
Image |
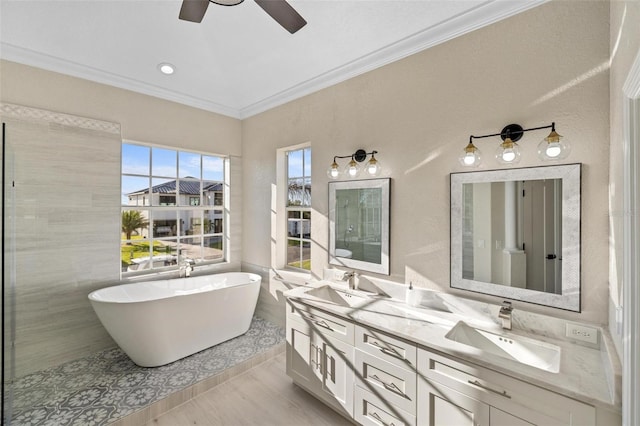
208	269
291	277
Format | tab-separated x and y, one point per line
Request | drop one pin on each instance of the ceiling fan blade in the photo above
283	13
193	10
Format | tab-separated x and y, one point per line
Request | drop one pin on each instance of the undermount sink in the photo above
425	315
340	297
534	353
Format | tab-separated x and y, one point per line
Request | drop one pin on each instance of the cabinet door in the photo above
337	372
440	406
500	418
303	356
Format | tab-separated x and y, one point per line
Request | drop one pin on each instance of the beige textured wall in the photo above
547	64
625	46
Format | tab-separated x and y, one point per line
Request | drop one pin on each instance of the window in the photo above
167	200
299	209
172	208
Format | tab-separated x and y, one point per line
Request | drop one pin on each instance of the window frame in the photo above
303	210
184	213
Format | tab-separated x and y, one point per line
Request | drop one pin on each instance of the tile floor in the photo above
108	386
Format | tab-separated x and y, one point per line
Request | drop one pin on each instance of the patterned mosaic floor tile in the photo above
107	386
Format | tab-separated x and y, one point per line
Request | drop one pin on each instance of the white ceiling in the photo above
238	61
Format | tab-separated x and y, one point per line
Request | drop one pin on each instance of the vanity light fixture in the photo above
352	169
508	152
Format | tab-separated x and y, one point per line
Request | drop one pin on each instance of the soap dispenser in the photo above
411	296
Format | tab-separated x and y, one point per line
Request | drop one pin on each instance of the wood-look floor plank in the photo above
261	396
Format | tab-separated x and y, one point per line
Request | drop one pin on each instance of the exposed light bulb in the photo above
373	167
469	159
352	170
553	147
508	155
508	152
333	172
470	156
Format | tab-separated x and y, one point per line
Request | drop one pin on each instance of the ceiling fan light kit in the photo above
279	10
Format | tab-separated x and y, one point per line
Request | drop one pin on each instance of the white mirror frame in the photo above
385	185
570	174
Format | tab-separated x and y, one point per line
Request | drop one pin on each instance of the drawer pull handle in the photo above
387	351
323	324
378	418
318	359
389	386
480	385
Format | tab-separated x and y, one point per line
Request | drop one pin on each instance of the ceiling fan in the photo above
280	10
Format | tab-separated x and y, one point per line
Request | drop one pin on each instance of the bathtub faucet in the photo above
186	266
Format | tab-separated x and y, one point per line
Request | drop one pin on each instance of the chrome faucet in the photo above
351	277
186	266
505	315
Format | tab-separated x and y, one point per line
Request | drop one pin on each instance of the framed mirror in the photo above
359	224
516	234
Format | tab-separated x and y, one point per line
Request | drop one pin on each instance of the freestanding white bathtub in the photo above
158	322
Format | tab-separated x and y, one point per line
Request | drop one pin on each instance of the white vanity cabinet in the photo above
386	388
320	354
451	392
376	378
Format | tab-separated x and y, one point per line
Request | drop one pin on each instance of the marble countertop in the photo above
583	371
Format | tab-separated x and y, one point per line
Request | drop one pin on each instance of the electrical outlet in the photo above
582	333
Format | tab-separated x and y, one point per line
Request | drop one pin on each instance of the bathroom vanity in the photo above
377	360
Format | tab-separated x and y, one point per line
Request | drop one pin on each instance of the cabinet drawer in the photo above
323	322
374	411
514	396
390	382
388	348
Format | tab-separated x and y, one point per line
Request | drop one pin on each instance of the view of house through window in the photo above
172	207
299	208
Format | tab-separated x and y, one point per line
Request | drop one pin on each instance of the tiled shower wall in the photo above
64	222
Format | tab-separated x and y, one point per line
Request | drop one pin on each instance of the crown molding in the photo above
483	15
51	63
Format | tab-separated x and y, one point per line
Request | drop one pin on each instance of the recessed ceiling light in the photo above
166	68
